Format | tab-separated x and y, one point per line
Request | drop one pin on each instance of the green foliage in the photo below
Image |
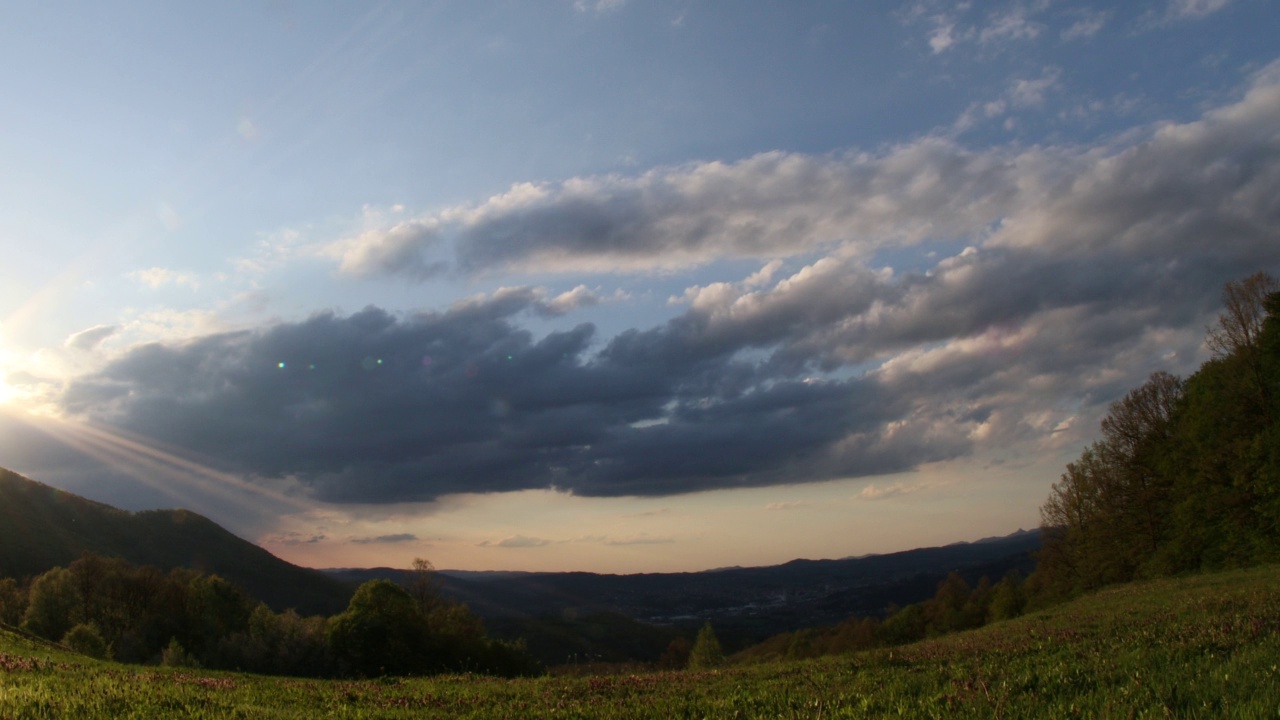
381	633
1187	474
174	655
706	652
181	618
13	601
1203	646
1007	599
86	640
54	604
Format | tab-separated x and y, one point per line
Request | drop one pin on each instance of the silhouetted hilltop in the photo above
42	527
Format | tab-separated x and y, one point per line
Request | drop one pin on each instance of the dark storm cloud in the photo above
373	408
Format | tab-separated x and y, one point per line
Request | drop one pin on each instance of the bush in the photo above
87	640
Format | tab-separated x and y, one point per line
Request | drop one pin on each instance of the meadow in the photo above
1197	647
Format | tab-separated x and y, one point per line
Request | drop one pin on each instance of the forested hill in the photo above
1186	476
42	527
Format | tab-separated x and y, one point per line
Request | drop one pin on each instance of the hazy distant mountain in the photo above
744	603
42	527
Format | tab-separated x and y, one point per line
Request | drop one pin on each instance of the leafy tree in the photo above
945	612
216	609
54	605
381	632
13	601
706	652
1007	599
903	626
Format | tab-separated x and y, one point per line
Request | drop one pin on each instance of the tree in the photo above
13	601
1136	435
54	605
381	632
943	613
706	652
174	655
1007	599
1239	327
423	586
1243	314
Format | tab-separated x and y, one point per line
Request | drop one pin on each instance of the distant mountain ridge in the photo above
750	602
42	527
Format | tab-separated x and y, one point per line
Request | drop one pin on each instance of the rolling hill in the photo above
42	527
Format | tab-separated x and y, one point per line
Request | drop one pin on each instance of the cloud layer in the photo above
1059	277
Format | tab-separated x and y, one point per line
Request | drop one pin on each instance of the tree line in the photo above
111	609
1186	475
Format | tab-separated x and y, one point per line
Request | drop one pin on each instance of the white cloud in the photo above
88	339
598	5
1090	22
942	38
1031	93
1193	9
1014	24
158	277
578	297
398	247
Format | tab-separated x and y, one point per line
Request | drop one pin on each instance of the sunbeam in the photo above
160	468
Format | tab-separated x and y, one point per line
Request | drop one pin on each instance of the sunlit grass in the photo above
1198	647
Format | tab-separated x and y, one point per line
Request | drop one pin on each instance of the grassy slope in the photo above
1206	646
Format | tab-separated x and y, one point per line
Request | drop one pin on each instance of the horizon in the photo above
607	285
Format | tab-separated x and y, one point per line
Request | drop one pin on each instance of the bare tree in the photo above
1242	315
423	587
1239	325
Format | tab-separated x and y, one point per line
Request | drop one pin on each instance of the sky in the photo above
612	285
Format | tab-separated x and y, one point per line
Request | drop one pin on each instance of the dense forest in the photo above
109	608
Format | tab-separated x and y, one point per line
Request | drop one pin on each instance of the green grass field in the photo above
1206	646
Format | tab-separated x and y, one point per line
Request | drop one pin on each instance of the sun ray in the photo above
160	468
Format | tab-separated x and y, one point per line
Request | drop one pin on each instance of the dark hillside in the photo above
42	527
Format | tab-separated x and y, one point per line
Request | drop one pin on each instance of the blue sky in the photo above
613	285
